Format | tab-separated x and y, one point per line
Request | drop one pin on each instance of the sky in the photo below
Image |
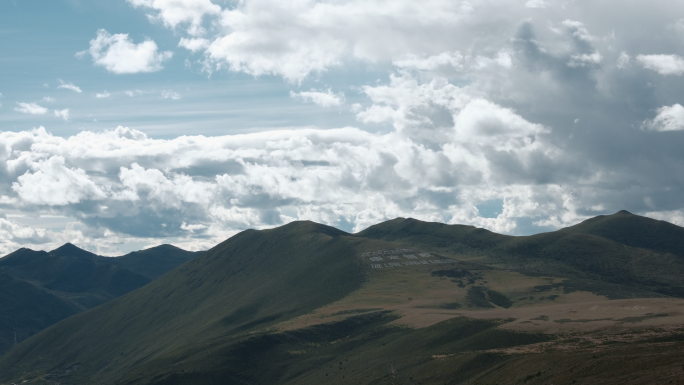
126	124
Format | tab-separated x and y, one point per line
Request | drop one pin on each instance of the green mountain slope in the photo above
42	288
452	239
250	281
90	279
621	248
309	304
26	309
635	231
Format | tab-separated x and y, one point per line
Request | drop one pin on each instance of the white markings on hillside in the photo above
385	252
413	263
402	257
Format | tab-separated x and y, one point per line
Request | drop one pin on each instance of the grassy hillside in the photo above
41	288
252	280
452	239
92	276
621	248
635	231
26	309
403	302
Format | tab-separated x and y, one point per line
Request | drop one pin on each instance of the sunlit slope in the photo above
621	248
254	279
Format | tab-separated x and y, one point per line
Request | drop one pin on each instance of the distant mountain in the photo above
26	309
306	303
70	250
155	261
41	288
449	238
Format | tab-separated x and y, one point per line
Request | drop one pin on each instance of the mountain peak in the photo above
69	249
634	230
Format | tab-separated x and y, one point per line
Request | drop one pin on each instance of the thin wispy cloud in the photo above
170	94
325	98
132	93
69	86
30	108
64	114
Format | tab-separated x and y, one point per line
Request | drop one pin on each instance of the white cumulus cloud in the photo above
175	12
322	98
118	54
30	108
194	45
52	183
668	118
103	95
663	64
315	36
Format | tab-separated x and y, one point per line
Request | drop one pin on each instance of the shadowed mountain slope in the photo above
70	250
47	287
252	280
452	239
82	272
155	261
26	309
635	231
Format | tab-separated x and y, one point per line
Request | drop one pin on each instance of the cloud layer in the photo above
30	108
450	151
554	111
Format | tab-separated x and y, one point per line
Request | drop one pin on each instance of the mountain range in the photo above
38	288
402	302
